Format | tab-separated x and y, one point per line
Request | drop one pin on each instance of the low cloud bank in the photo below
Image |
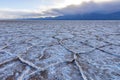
89	7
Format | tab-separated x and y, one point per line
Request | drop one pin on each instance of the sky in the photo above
19	9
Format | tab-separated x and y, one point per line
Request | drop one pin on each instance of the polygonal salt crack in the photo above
45	57
62	71
14	69
6	57
95	43
111	49
76	46
98	66
62	36
17	48
43	41
113	39
24	73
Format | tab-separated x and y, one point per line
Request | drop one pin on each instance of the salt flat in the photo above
60	50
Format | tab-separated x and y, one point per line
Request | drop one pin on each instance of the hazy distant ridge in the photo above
91	16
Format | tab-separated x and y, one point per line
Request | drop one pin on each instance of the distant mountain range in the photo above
91	16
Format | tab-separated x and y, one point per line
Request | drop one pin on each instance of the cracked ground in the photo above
59	50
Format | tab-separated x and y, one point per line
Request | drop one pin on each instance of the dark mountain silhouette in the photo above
91	16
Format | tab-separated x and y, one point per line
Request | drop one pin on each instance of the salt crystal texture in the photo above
59	50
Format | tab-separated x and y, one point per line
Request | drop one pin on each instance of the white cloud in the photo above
14	14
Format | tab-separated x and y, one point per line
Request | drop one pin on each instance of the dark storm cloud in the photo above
88	7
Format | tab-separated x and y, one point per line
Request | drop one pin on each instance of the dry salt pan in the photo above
60	50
